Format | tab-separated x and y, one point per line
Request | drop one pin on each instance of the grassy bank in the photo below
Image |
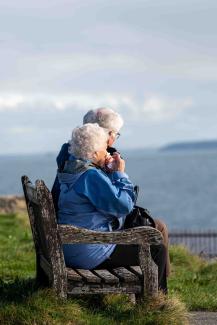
193	280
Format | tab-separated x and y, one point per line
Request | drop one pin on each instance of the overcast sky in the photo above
153	61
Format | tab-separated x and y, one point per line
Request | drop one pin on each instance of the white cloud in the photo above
62	102
10	101
156	108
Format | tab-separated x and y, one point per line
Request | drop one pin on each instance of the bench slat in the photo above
106	276
136	270
73	275
124	275
88	276
104	288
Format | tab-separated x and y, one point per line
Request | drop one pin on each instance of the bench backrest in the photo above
43	223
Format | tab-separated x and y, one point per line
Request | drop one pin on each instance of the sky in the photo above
155	62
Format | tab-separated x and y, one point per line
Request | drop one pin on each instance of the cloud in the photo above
153	108
10	101
62	102
156	108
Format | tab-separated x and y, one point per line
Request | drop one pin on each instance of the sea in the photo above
180	187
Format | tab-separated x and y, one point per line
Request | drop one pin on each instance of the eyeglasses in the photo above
116	134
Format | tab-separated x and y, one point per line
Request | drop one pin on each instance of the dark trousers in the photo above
128	255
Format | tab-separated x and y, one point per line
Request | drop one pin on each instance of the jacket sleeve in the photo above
112	194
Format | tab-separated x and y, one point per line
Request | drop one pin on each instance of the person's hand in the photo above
108	159
119	164
109	163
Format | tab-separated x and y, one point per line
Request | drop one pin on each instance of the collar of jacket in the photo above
76	165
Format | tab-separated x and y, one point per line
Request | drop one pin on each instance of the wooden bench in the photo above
48	236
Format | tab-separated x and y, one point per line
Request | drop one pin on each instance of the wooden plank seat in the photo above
80	281
49	237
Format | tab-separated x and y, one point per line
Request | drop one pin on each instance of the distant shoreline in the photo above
193	145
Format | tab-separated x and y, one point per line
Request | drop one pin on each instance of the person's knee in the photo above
161	226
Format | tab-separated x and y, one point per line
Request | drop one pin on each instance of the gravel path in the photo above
203	318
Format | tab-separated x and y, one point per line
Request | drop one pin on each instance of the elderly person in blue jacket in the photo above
108	119
93	199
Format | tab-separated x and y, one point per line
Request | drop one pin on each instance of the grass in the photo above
192	280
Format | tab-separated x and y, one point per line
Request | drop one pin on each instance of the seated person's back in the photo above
91	198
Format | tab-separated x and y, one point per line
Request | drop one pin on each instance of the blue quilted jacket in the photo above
92	199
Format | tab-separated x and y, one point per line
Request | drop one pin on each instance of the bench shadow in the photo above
115	311
17	290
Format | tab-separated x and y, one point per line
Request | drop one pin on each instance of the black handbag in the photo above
139	216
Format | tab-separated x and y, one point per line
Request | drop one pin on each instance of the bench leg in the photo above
132	298
150	273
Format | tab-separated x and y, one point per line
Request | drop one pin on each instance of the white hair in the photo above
86	140
105	117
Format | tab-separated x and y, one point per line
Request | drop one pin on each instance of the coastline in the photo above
12	204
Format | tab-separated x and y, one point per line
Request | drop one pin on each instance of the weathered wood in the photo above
125	275
132	298
73	275
136	270
49	237
31	193
138	235
45	234
106	276
49	225
88	276
149	271
35	211
41	277
105	289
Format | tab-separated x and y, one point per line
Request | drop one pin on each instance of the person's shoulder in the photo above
63	155
65	146
92	176
95	173
64	149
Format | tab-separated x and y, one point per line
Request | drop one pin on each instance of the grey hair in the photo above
86	140
105	117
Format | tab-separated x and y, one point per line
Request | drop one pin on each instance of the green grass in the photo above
193	279
21	302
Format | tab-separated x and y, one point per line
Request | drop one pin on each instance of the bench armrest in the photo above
138	235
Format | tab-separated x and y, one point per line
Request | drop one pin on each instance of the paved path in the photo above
203	318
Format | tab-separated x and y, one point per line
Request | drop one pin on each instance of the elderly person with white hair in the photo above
108	119
93	199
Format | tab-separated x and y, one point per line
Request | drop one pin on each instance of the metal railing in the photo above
202	242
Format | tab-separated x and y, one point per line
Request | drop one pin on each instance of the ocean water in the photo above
179	187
